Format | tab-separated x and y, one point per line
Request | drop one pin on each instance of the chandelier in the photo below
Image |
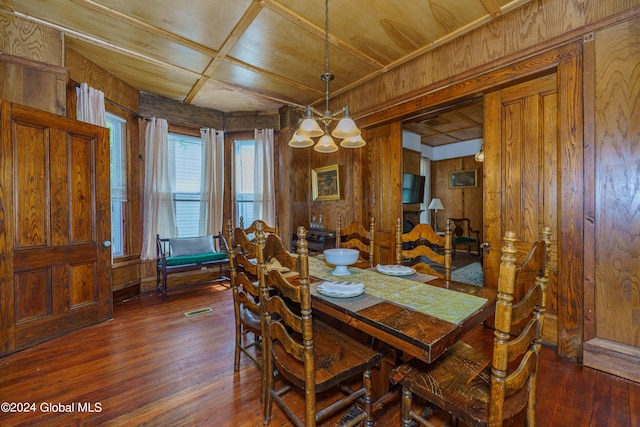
346	128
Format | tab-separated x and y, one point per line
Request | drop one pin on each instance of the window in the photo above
118	151
187	165
244	167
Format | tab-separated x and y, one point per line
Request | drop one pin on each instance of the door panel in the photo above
382	180
521	176
55	192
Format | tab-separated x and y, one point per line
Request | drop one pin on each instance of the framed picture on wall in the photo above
463	179
325	183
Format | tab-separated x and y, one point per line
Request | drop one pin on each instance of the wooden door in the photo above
521	175
381	178
54	217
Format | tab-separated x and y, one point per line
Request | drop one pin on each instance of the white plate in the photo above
399	272
339	294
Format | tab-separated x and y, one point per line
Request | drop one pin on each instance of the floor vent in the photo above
198	312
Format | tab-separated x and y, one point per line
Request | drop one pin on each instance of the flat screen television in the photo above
412	188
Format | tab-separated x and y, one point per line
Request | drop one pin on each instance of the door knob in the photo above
486	246
106	243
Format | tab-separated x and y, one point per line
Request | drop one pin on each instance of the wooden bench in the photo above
189	254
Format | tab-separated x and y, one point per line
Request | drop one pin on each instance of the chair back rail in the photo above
464	234
419	243
356	236
307	353
274	249
251	229
481	390
245	237
246	306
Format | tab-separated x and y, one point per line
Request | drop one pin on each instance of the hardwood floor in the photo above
152	365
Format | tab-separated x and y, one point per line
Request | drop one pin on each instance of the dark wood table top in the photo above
421	335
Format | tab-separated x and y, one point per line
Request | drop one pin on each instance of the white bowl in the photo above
341	257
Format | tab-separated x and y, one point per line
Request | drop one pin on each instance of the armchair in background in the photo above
464	235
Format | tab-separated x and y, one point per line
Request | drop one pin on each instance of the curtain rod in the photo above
124	108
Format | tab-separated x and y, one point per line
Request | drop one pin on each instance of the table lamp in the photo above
435	205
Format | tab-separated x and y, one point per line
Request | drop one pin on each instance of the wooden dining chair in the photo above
246	307
356	236
422	242
471	386
307	353
245	237
464	235
251	229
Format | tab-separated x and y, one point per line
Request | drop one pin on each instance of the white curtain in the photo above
90	105
425	170
264	202
159	211
212	182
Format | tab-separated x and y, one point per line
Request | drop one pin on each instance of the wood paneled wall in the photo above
515	34
370	177
457	202
612	200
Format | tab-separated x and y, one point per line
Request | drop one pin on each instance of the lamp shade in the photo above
353	142
309	128
298	141
346	128
326	144
435	204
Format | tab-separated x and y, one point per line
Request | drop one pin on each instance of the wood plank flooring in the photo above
151	365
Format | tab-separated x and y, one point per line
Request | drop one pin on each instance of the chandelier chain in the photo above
326	37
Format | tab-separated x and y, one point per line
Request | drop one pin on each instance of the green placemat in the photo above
444	304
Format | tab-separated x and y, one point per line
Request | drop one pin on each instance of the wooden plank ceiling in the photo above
244	55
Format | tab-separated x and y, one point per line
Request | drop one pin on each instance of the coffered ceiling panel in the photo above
271	52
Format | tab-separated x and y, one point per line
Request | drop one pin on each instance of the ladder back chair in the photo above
245	237
356	236
246	307
307	353
486	391
464	235
251	229
422	242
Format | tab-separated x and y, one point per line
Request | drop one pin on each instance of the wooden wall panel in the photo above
34	84
411	161
617	186
488	47
612	325
30	40
457	202
81	70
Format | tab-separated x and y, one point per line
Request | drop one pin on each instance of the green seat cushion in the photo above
196	259
464	239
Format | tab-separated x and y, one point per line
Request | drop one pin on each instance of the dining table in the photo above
417	314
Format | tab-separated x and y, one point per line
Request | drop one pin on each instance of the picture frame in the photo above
463	179
325	183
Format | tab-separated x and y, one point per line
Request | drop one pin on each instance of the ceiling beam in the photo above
245	21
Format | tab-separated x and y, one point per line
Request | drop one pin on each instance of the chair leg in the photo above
267	386
405	412
368	400
236	359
